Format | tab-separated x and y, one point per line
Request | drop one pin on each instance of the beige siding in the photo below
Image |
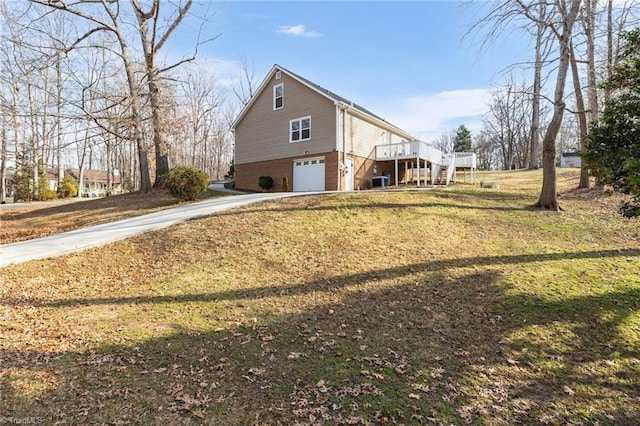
263	134
361	136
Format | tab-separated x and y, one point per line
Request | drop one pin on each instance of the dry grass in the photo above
40	219
437	307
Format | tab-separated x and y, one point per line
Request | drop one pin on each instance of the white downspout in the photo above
342	107
344	144
338	142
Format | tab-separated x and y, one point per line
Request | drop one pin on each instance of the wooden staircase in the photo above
441	179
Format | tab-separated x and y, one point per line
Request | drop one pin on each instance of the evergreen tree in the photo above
613	147
462	141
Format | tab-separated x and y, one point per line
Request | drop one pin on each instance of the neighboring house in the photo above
52	178
570	159
300	133
95	182
9	178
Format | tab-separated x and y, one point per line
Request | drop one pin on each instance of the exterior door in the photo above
308	174
348	177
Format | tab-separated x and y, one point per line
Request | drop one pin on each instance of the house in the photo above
95	183
52	178
8	183
308	138
570	159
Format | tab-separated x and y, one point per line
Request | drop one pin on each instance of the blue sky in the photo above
406	61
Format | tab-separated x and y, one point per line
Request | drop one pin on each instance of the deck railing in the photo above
427	152
466	159
451	169
407	150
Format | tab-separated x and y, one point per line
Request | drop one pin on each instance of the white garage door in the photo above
308	174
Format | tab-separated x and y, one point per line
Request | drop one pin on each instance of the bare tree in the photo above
508	124
30	96
582	115
245	86
149	22
557	18
446	141
534	149
154	28
567	12
486	150
3	148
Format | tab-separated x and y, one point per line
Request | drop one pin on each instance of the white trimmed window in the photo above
300	129
278	96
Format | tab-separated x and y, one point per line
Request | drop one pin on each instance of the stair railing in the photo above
452	167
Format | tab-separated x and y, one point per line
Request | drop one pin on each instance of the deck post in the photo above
406	172
396	181
418	168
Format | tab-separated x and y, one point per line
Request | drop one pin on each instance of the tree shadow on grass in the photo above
321	284
464	199
428	342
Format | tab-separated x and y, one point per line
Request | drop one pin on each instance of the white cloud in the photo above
428	116
297	31
225	70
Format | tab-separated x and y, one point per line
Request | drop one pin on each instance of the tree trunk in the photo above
582	116
150	46
549	195
592	84
145	180
607	91
34	143
534	150
136	118
59	137
81	160
109	148
159	142
3	165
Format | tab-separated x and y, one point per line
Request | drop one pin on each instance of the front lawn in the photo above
448	306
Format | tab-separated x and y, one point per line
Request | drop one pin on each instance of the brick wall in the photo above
247	174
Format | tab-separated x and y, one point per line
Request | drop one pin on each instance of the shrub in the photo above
68	188
44	193
265	182
231	174
47	194
23	187
185	182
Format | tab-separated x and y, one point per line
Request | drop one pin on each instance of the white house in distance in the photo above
308	138
570	159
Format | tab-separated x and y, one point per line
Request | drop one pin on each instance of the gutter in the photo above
341	106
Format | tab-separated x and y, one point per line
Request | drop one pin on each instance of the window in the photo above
278	96
300	129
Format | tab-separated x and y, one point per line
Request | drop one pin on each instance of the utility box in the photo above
379	181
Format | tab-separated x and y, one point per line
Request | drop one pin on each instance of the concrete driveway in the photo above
80	239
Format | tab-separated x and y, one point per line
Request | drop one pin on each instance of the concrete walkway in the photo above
94	236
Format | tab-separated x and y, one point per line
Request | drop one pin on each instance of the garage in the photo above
308	174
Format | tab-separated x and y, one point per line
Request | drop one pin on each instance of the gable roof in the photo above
93	175
322	91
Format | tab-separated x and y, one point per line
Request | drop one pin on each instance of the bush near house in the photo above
186	182
265	182
68	188
231	174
